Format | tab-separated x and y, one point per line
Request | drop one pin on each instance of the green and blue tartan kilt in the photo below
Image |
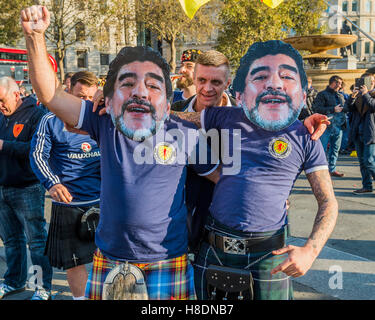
171	279
266	286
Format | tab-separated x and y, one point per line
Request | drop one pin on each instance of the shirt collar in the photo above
190	107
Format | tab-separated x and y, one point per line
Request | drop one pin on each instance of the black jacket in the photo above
199	192
307	111
325	103
363	111
182	105
16	131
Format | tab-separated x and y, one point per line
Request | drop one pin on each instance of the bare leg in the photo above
77	278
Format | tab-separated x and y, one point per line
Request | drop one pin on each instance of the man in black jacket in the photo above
311	94
21	195
362	131
331	103
211	79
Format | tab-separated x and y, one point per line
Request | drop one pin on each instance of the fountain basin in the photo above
322	42
319	59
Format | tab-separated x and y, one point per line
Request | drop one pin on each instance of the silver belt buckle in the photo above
234	246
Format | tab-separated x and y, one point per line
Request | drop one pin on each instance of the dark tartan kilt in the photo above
266	286
63	243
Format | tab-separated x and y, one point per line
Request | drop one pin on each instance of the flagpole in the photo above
346	18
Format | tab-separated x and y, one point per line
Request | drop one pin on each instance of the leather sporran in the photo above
225	283
87	224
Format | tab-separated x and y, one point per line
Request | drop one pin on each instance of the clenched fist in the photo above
35	19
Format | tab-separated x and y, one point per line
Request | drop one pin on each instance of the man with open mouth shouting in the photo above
271	101
142	233
243	254
138	118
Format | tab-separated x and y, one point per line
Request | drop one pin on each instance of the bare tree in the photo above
10	29
70	23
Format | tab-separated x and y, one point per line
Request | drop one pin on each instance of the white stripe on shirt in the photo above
78	203
314	169
38	152
81	115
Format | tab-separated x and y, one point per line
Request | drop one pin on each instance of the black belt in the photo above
245	245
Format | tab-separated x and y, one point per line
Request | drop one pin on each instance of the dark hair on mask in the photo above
130	54
262	49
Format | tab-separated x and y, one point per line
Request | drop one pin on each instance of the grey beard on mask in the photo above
272	125
139	134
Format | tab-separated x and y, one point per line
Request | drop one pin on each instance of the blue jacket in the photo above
16	131
60	156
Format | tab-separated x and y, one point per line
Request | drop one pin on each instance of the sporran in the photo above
225	283
125	282
86	226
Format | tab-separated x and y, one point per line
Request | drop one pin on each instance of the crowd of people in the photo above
187	222
352	124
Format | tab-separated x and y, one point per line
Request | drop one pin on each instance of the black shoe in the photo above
360	191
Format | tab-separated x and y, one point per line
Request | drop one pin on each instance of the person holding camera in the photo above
331	103
362	132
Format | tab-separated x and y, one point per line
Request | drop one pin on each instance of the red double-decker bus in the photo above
13	63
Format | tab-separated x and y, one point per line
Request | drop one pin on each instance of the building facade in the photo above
362	14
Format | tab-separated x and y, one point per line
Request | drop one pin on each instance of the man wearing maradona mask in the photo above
132	113
143	213
245	233
271	86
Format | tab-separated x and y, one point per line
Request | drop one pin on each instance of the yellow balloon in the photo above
272	3
191	6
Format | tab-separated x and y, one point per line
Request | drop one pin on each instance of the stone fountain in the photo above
318	59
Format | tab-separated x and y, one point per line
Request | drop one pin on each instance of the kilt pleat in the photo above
64	248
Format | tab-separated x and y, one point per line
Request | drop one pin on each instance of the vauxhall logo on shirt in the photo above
86	149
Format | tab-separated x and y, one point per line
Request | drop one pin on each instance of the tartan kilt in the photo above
171	279
266	286
64	248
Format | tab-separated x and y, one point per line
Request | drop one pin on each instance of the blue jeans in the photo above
366	158
21	219
333	136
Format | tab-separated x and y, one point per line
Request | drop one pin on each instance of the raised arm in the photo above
300	259
34	21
